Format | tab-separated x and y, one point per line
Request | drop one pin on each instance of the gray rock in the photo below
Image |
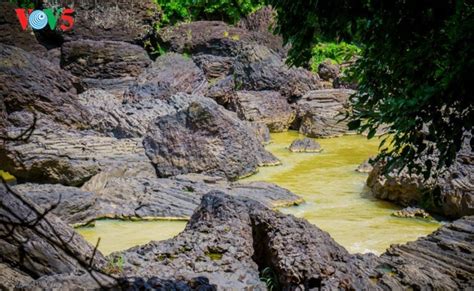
411	212
258	68
451	194
267	107
222	91
205	138
365	167
104	64
262	20
321	113
11	278
169	74
328	71
214	67
305	145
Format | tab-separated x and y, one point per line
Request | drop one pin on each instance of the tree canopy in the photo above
414	74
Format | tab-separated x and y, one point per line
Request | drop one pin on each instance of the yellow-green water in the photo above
336	200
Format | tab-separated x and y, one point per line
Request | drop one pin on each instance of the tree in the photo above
415	72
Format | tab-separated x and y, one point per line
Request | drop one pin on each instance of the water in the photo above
335	195
337	199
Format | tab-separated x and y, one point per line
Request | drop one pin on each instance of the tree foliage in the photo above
231	11
414	74
332	51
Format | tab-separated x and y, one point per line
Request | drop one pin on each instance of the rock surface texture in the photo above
451	194
305	145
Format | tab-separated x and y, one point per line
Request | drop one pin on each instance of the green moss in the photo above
7	177
214	256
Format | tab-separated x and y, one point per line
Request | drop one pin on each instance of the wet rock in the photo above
328	71
322	112
411	212
104	64
12	34
305	145
205	138
214	67
267	107
38	249
68	157
214	38
127	21
168	75
28	83
450	195
365	167
258	68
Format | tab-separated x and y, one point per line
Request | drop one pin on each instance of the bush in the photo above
189	10
334	52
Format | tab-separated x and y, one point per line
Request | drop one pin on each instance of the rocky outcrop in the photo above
411	212
46	247
328	71
258	68
168	75
305	145
28	83
205	138
267	107
451	194
68	157
129	21
104	64
214	67
262	20
214	38
322	112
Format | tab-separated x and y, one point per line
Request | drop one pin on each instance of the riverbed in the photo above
336	198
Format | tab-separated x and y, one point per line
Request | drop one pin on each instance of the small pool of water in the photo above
116	235
337	199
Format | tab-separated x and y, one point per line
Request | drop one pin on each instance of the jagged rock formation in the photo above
104	64
451	194
322	112
168	75
205	138
124	193
305	145
267	107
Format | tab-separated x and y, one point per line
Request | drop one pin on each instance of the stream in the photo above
337	200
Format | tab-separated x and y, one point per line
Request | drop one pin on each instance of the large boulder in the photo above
129	21
321	113
214	67
28	83
214	38
205	138
258	68
450	194
168	75
68	157
267	107
104	64
262	20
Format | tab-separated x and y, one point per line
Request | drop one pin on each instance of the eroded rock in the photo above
305	145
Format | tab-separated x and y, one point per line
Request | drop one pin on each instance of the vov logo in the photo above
39	19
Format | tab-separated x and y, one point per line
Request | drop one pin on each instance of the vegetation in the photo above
270	278
414	73
332	51
231	11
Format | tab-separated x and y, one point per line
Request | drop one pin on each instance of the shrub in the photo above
334	52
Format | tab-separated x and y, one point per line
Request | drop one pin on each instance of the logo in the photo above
56	17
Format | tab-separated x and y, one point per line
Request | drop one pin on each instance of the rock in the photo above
205	138
222	91
305	145
111	20
28	83
169	74
214	67
262	20
267	107
12	34
262	132
450	195
11	278
104	64
258	68
44	248
321	113
68	157
365	167
214	38
73	205
411	212
328	71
